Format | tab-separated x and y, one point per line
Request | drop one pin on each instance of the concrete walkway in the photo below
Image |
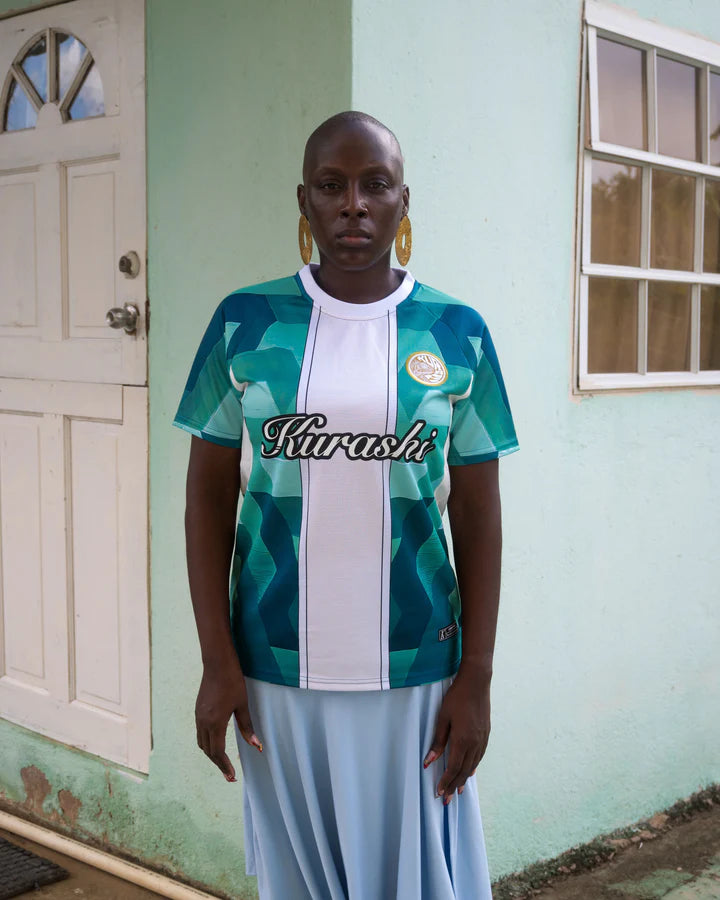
683	863
84	881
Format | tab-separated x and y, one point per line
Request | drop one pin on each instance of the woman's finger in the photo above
242	717
462	773
456	758
439	741
217	753
203	739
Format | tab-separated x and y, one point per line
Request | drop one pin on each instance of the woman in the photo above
349	404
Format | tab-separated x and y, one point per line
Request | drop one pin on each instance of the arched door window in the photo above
57	68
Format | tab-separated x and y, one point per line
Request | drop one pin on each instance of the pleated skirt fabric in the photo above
339	807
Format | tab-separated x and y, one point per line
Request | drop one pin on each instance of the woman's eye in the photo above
378	185
329	186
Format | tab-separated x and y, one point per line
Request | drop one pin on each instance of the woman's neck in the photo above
364	286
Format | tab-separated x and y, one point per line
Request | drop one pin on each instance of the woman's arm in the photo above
213	489
464	717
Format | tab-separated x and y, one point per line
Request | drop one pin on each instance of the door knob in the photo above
129	264
123	317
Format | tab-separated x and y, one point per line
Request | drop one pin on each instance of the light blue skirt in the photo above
339	807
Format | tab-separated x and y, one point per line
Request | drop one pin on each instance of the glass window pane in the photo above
714	119
668	327
673	220
588	142
710	327
612	325
616	192
678	100
20	111
711	242
621	86
35	66
89	100
70	54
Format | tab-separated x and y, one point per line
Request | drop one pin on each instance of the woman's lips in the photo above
349	239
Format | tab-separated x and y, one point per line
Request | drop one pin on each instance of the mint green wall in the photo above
607	684
607	680
233	91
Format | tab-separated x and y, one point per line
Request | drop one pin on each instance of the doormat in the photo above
21	870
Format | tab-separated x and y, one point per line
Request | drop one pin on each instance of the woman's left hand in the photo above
463	722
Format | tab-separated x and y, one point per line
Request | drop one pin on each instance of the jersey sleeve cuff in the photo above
456	459
223	439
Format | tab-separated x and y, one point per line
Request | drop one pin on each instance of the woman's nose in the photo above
354	201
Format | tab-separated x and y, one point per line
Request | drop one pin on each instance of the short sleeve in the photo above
211	406
482	426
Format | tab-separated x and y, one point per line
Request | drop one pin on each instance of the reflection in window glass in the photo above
20	111
714	119
710	327
89	100
711	242
621	86
672	220
612	325
668	327
35	66
70	55
678	100
616	192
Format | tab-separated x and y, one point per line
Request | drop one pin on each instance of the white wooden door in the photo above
74	655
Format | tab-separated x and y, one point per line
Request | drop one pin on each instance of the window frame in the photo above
16	74
655	39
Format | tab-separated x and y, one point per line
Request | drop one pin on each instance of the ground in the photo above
673	856
84	881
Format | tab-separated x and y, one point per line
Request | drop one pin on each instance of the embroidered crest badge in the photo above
426	368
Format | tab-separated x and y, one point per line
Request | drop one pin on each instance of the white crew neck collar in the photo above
344	310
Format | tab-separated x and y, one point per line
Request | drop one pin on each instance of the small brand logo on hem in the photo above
426	368
444	634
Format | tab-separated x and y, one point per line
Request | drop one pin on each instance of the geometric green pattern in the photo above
247	370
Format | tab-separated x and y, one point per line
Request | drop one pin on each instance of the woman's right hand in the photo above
222	694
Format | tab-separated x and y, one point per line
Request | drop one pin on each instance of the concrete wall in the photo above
607	679
607	682
233	91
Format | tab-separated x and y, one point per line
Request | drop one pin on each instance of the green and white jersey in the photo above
348	417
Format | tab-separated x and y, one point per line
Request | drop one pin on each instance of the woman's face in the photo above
353	195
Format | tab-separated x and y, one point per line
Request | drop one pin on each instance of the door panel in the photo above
22	588
74	661
73	575
95	483
18	253
88	206
92	251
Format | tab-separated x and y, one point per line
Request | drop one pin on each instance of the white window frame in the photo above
618	24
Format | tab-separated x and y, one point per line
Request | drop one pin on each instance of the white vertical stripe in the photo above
386	551
246	458
301	407
344	506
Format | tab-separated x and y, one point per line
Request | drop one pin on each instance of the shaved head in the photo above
346	121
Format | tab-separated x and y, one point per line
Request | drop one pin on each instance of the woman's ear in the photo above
301	198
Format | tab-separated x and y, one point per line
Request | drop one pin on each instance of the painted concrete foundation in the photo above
607	679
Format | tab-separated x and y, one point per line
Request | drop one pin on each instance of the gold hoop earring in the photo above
305	239
403	241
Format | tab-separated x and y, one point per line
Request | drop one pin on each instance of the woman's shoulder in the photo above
459	315
286	286
254	297
277	287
